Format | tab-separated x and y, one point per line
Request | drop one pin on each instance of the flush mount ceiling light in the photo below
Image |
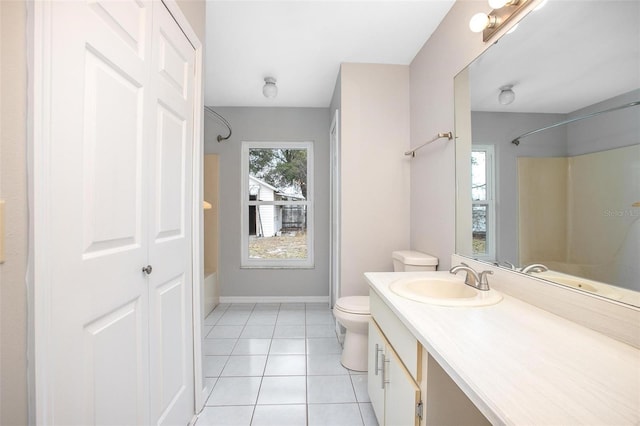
503	12
270	90
506	95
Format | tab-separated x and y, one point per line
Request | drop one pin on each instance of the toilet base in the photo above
354	353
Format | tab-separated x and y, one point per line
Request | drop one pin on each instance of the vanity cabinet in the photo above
394	368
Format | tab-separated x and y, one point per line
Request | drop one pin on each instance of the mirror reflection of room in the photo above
556	103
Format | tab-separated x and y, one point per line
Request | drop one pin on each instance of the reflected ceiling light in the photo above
507	95
270	90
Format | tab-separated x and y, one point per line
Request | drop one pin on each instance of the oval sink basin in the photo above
581	284
443	291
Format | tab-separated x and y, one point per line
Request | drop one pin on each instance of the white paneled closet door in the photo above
171	331
118	343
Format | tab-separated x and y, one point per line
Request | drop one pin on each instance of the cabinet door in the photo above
375	385
401	392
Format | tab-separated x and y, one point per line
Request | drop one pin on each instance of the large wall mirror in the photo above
548	149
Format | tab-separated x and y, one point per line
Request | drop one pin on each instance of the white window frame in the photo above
245	260
490	202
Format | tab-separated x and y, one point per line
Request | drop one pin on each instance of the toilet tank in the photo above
409	260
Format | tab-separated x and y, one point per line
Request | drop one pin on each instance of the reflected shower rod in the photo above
516	141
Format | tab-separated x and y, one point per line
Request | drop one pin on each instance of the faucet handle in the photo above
483	284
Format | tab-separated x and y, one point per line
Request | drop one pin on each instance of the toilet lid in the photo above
354	304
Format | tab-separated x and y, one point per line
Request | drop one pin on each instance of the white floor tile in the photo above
321	330
239	415
235	391
252	347
317	307
289	331
323	345
234	317
334	415
292	307
218	346
213	317
257	332
283	390
368	415
244	365
286	365
291	317
287	347
267	307
212	365
241	307
262	317
330	389
280	415
327	364
319	317
225	332
360	386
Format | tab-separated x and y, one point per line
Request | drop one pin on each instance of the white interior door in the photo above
170	250
117	342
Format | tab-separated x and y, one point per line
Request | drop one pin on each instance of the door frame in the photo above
39	199
334	209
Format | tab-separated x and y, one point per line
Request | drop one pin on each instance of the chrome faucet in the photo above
534	267
473	279
505	264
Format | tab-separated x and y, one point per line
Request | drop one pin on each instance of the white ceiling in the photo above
563	57
302	44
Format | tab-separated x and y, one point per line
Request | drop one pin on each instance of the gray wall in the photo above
499	129
607	131
269	124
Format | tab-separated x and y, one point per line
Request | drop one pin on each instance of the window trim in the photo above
490	201
245	260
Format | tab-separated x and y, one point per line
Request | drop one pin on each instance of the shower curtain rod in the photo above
220	138
516	141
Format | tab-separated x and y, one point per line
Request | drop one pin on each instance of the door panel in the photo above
402	393
112	169
377	344
98	336
170	251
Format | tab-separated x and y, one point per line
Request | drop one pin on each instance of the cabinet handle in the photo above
378	350
147	269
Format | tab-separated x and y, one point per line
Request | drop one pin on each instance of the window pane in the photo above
479	228
277	232
277	174
478	175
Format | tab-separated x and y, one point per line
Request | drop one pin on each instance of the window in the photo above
277	205
483	202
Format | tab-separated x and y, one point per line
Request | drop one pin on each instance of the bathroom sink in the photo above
443	291
594	287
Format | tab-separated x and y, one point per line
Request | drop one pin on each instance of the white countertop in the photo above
522	365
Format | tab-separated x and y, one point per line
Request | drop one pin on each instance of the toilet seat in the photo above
358	305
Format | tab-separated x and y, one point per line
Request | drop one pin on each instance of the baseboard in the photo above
274	299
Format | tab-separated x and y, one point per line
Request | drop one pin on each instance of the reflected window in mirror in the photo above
483	202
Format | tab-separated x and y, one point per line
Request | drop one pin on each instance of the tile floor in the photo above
279	364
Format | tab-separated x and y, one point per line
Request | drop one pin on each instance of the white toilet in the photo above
352	312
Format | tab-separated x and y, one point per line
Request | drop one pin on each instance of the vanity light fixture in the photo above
507	95
270	90
503	12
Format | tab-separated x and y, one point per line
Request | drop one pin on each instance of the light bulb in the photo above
479	22
506	95
497	4
270	90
